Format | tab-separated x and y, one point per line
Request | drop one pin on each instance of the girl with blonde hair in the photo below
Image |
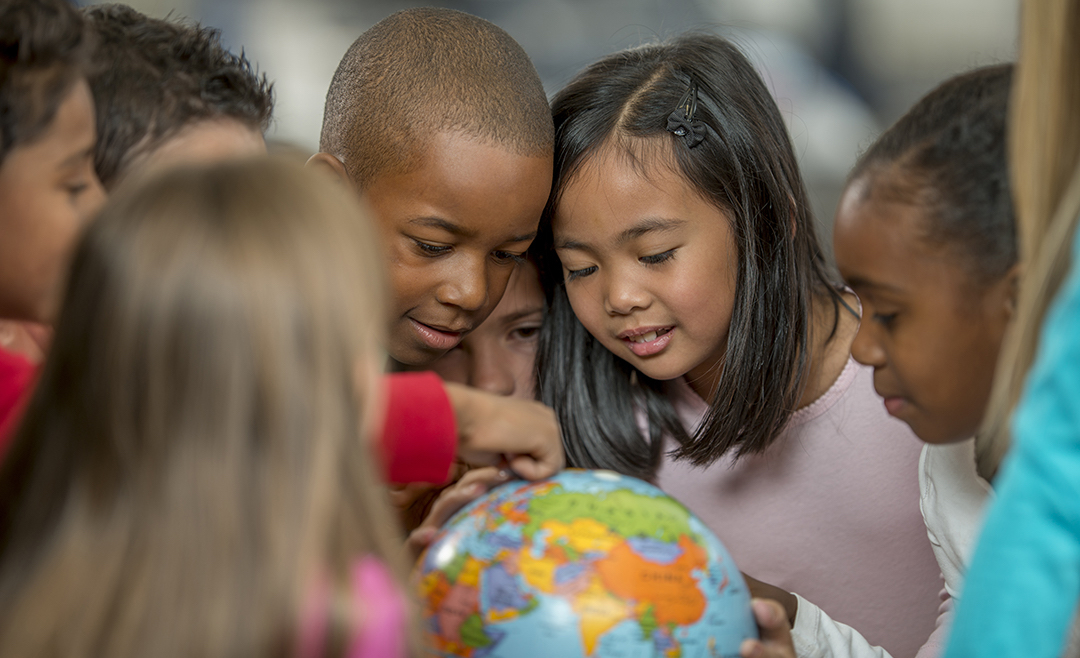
1024	582
190	477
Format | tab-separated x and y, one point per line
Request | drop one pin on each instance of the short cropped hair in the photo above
423	71
158	77
44	50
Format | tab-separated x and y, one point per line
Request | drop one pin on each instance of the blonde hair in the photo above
194	456
1044	141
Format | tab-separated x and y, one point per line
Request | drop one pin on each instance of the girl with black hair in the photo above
697	339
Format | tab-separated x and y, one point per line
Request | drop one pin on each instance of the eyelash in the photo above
517	259
525	333
656	259
884	319
576	274
431	249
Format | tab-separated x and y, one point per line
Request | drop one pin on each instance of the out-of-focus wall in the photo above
841	70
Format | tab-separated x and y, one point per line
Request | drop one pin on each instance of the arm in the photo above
427	423
1024	580
808	631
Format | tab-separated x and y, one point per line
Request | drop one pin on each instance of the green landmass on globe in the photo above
588	563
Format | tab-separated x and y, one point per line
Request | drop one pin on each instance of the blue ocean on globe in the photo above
585	564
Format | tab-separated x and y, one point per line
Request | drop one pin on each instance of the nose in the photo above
624	295
866	348
491	372
464	286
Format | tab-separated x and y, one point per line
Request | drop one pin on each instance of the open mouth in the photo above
647	343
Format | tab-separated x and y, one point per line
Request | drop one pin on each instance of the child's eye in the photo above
884	319
576	274
75	189
431	249
529	332
508	257
656	259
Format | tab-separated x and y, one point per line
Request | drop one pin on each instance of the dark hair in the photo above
746	167
424	71
947	156
43	52
159	76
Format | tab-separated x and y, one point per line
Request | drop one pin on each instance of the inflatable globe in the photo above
587	563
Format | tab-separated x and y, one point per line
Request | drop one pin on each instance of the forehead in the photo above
617	185
488	190
882	242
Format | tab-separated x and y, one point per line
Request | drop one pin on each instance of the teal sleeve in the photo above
1023	583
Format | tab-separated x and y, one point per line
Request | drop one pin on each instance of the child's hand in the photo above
491	426
471	486
760	590
775	633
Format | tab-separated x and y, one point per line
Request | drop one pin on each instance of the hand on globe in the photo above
492	427
775	632
472	485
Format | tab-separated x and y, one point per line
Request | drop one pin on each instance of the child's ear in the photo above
329	164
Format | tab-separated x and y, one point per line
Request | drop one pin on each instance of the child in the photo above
439	118
1024	581
186	480
167	91
692	289
47	183
499	356
925	236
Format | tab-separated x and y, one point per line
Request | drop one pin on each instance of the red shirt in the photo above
16	379
420	436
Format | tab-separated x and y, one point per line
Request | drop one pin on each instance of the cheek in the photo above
587	307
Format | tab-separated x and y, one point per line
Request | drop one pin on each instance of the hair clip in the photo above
681	121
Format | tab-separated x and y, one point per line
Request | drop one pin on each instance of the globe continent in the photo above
587	563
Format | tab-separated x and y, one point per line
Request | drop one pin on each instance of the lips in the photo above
647	341
437	338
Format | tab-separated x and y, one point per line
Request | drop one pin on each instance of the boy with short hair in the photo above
47	184
167	91
440	120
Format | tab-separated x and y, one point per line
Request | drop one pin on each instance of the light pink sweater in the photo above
830	511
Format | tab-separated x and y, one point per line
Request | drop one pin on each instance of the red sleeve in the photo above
16	378
420	436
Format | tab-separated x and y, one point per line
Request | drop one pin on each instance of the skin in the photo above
644	252
48	191
499	355
203	142
931	329
452	227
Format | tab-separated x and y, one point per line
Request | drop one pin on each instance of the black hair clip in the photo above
681	121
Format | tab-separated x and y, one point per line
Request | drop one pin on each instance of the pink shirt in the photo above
830	511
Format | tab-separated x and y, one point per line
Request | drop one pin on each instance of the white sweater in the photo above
952	497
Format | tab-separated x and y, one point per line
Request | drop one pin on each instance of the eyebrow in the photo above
643	227
76	158
517	315
859	282
461	231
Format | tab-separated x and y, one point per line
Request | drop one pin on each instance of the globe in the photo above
587	563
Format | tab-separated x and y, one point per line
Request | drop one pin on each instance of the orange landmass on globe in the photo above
671	588
598	612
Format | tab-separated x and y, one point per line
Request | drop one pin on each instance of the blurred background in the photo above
841	70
